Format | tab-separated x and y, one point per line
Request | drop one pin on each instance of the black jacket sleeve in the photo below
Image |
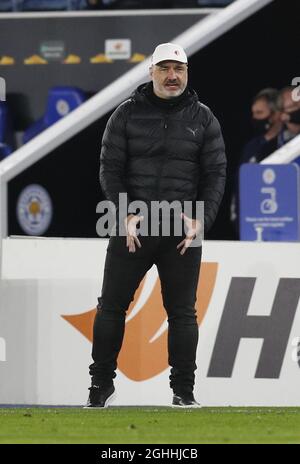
113	157
212	171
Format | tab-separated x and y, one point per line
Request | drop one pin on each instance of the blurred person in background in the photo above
267	128
100	4
267	125
290	115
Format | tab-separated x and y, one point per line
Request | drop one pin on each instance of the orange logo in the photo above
141	357
118	46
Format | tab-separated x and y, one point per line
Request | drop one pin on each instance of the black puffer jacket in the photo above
169	151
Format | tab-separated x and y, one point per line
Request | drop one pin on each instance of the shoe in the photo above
186	400
99	397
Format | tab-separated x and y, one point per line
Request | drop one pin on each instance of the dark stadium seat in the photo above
56	5
61	101
211	3
38	5
10	5
46	5
5	150
6	131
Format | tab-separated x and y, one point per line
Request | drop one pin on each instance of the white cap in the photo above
169	52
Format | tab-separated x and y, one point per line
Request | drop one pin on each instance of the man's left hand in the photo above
193	228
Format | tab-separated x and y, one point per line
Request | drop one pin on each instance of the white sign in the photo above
2	89
118	49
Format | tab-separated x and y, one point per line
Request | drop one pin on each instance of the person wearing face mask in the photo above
290	115
267	127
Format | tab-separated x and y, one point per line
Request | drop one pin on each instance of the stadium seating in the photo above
56	5
39	5
61	101
10	5
214	2
6	131
44	5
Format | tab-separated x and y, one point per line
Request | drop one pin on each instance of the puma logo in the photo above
193	131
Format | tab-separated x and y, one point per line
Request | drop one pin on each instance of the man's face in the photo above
289	106
261	110
169	78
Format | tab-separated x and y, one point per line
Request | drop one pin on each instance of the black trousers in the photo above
123	273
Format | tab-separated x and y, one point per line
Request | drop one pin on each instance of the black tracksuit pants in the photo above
123	273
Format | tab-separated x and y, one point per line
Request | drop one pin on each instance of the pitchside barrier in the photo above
248	315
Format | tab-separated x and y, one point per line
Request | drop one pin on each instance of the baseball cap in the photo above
169	52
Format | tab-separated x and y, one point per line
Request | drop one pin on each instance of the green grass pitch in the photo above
149	425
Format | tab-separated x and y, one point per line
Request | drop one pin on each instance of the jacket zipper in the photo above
164	160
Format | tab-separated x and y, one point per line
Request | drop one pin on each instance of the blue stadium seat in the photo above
297	160
10	5
46	5
61	101
6	131
214	2
5	150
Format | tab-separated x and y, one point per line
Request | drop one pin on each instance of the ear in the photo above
151	71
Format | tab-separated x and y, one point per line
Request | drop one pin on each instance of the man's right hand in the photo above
131	238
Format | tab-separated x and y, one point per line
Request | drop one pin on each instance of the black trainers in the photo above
99	397
185	400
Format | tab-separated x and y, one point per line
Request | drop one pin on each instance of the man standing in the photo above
161	144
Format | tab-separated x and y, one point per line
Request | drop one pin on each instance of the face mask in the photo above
261	126
295	117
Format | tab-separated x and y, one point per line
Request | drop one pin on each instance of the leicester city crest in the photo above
34	210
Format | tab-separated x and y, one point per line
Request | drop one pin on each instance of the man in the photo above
160	144
267	126
290	107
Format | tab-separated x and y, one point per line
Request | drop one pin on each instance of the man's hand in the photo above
193	228
131	238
